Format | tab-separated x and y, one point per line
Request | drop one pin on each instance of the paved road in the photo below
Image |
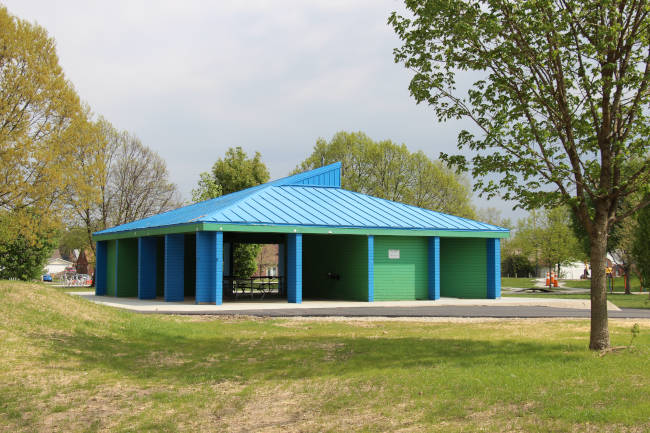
437	311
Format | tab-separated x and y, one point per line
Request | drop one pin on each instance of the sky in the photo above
193	78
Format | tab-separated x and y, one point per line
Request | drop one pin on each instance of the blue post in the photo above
206	266
294	268
434	267
100	269
493	268
218	287
147	247
371	268
117	266
174	267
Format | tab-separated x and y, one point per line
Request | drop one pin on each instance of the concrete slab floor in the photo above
160	306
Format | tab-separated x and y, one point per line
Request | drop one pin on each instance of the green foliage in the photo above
517	265
232	173
388	170
207	189
547	238
23	257
236	171
641	246
245	259
560	103
74	238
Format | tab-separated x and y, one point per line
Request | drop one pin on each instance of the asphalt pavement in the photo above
438	311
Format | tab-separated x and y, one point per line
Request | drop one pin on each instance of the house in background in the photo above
57	264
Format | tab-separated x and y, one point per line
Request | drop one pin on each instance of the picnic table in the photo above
255	286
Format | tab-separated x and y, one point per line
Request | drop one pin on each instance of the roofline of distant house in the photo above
278	228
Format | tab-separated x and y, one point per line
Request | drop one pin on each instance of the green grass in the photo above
71	366
520	283
618	299
526	283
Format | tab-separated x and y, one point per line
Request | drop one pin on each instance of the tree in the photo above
641	246
139	182
23	256
387	170
548	239
560	103
232	173
39	114
119	180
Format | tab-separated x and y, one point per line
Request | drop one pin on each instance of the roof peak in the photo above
326	176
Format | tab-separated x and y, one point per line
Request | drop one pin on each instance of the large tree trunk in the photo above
599	338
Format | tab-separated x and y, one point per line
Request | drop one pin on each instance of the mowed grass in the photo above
527	283
71	366
618	299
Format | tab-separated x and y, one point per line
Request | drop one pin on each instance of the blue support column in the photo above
218	286
174	267
493	268
117	266
434	267
206	266
147	250
209	267
294	268
371	268
100	268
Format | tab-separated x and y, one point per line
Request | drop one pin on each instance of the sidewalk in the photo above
160	306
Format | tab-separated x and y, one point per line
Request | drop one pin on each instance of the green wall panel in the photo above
127	268
345	256
190	265
463	268
405	278
111	263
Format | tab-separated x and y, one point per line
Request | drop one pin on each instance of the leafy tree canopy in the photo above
232	173
560	101
23	257
388	170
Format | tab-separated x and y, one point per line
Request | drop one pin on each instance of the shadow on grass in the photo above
179	359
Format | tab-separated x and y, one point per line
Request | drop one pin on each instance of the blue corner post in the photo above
209	267
174	267
493	268
294	268
147	250
100	269
371	268
434	267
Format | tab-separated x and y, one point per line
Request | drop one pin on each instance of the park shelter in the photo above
334	244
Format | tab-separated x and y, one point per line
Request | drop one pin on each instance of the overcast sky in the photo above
193	78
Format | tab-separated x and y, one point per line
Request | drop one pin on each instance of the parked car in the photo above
47	277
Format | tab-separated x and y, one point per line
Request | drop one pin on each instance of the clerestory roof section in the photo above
310	199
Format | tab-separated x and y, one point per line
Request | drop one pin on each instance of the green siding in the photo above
463	268
346	256
127	268
405	278
111	263
190	266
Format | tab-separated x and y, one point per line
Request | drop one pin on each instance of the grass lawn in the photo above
71	366
519	283
618	299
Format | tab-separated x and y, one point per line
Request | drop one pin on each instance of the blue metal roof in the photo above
314	198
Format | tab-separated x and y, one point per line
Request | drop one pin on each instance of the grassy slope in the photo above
525	283
68	365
